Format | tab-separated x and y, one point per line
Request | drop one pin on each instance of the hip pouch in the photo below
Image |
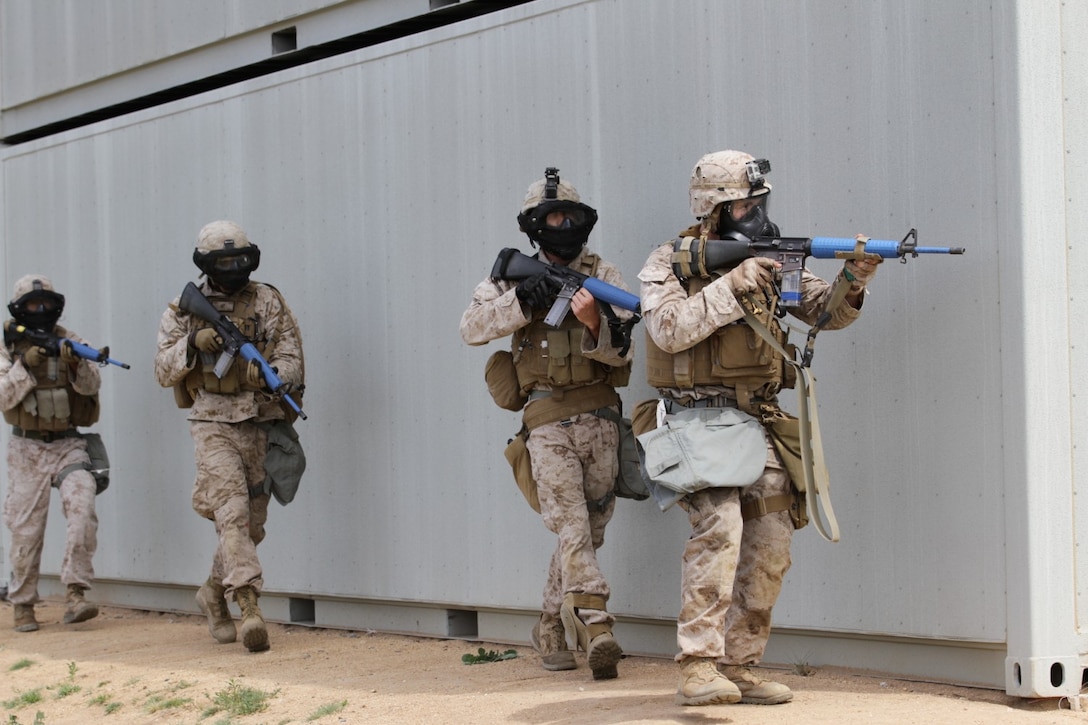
785	434
517	455
701	448
285	461
629	482
99	465
502	381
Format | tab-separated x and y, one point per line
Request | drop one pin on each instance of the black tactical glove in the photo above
538	291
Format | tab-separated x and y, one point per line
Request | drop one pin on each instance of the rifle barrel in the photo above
611	295
830	247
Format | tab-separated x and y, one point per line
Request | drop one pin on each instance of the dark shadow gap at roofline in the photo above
434	19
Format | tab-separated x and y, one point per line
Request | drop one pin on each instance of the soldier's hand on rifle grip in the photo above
205	340
751	275
34	356
538	291
68	353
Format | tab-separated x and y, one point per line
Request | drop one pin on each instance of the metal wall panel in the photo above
380	185
103	38
119	50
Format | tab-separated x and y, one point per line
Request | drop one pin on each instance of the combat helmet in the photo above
33	288
722	177
224	253
548	195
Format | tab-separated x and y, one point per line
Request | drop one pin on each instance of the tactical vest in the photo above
544	355
733	356
53	404
241	309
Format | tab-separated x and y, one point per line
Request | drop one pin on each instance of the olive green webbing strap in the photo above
573	401
812	450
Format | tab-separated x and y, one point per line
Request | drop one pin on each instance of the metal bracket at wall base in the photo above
1044	676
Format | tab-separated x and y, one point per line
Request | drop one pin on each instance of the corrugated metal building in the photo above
377	151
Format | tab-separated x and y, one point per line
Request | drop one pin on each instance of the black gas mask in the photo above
39	309
560	226
229	268
753	224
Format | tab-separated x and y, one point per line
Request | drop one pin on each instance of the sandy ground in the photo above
148	667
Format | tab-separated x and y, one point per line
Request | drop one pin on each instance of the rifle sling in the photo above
812	449
620	331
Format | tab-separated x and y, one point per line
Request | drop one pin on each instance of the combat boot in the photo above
550	642
212	600
753	690
24	618
254	632
602	650
702	684
77	608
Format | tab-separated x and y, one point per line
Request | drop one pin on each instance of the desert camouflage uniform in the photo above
732	569
575	461
32	466
229	445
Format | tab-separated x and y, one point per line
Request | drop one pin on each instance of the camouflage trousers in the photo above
32	466
229	491
575	465
732	570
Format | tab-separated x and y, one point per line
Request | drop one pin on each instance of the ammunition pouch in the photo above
735	355
554	358
53	404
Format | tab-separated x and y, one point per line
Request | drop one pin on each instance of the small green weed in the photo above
156	703
65	689
21	664
23	699
483	656
329	709
72	670
238	700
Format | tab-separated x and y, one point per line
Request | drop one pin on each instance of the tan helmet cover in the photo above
718	177
534	197
26	284
221	235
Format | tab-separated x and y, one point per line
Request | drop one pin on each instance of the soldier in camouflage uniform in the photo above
739	549
569	376
45	398
224	414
